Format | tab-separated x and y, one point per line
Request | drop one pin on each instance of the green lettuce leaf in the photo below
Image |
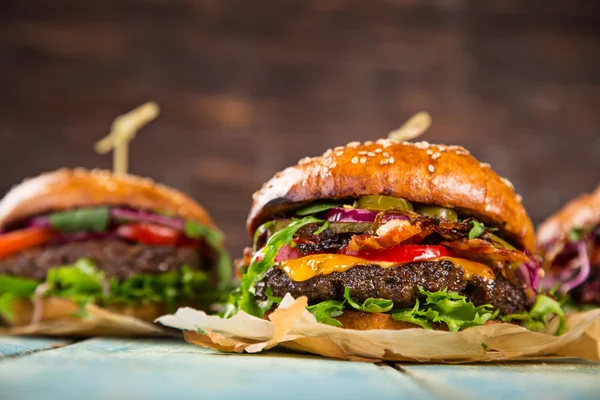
94	219
259	232
414	316
576	234
194	230
11	289
170	287
326	310
84	284
6	306
476	230
266	305
22	287
537	318
322	228
446	307
317	208
262	261
81	282
371	305
213	238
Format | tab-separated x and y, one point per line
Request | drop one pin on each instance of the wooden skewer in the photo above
412	128
123	131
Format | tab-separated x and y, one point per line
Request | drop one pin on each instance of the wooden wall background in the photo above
248	87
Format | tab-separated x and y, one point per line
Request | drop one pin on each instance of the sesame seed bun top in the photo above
420	172
66	189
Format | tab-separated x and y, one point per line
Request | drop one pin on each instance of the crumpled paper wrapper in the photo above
59	320
587	345
292	327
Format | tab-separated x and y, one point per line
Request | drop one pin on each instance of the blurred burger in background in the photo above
570	242
120	242
391	235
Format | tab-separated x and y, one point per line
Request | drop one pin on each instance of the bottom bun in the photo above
364	321
56	308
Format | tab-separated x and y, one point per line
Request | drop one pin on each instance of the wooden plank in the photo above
510	381
16	346
159	369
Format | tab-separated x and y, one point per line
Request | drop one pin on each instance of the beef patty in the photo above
399	284
118	258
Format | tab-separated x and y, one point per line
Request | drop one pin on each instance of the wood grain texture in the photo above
11	346
510	381
247	88
128	369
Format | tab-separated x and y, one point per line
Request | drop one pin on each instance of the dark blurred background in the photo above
249	87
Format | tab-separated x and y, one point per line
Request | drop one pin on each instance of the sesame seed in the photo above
304	160
378	150
507	183
363	160
354	160
392	160
429	152
368	143
338	148
339	153
353	144
431	169
383	162
362	153
484	165
333	165
386	154
519	198
371	154
327	152
435	156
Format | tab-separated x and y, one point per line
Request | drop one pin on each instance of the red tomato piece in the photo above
151	234
403	253
22	239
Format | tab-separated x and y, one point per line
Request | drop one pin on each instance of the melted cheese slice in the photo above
307	267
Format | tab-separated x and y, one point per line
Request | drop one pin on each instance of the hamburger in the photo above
390	235
570	243
75	237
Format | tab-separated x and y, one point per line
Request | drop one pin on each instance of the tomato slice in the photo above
22	239
151	234
403	253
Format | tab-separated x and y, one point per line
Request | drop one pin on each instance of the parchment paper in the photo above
59	320
292	327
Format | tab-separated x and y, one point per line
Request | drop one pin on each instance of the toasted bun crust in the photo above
57	309
582	212
420	172
363	321
65	189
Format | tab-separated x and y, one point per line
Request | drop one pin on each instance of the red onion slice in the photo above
41	221
145	216
583	262
339	214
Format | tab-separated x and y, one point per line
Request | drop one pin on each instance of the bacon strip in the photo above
480	250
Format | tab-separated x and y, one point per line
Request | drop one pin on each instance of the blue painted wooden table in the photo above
36	368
